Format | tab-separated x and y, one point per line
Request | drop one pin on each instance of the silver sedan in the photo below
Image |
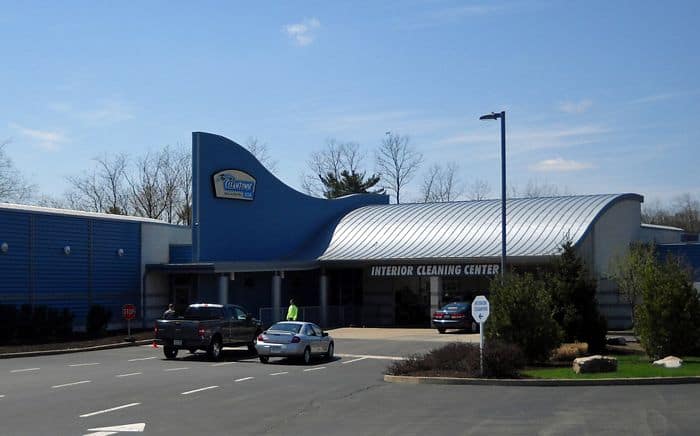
294	339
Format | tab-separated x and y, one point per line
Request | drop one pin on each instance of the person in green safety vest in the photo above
293	311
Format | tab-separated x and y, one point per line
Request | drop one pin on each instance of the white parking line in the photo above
83	364
199	390
176	369
71	384
244	379
25	370
280	373
372	357
354	360
142	358
99	412
2	396
224	363
130	374
315	369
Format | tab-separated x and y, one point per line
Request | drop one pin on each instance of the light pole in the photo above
502	116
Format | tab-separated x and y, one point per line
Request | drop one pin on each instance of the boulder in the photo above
669	362
616	340
597	363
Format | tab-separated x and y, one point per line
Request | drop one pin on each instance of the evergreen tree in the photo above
574	299
349	182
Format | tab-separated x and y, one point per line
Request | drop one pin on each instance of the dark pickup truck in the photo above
207	327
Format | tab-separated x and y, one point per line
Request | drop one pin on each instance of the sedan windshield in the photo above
285	327
456	306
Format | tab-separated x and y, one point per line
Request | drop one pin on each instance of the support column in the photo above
223	288
323	298
435	294
276	296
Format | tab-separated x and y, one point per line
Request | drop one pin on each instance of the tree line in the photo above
158	184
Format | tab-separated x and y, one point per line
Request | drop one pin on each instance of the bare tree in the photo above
152	191
13	187
441	184
86	193
261	153
103	189
479	189
683	212
397	162
537	188
334	158
184	194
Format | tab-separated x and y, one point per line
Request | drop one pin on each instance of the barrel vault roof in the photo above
469	229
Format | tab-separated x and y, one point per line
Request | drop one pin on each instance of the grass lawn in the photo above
628	366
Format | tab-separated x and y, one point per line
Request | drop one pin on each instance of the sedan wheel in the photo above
307	356
441	331
329	354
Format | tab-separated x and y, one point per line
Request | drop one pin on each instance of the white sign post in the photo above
480	312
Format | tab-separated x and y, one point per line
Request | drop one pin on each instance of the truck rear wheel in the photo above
170	352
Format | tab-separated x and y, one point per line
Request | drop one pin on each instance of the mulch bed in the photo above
112	338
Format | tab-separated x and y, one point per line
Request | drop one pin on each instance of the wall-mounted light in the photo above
66	250
120	252
4	247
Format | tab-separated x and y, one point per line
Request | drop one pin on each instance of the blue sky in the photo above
600	96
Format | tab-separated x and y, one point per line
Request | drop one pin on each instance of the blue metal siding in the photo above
180	253
36	270
61	279
689	253
116	279
14	265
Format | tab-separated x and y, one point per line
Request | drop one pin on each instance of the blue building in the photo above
353	260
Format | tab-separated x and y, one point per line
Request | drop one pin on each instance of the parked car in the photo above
294	339
207	327
456	315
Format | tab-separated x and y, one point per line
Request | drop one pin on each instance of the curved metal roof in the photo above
471	229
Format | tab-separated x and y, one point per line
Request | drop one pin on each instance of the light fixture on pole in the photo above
502	116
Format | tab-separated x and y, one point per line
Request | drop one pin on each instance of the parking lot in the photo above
136	389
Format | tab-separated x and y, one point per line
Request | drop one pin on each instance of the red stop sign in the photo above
129	311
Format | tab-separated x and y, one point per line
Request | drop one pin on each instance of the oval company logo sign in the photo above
234	185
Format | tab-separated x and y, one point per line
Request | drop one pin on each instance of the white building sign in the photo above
234	185
458	270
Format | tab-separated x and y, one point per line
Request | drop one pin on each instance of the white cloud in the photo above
109	112
45	139
535	139
559	164
302	33
105	112
575	107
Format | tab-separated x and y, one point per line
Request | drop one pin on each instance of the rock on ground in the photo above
597	363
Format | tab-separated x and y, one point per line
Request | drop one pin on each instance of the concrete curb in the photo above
541	382
74	350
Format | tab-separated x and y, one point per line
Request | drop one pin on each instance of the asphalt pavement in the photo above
136	389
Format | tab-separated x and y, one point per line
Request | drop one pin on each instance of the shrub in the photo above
666	307
460	359
97	319
502	359
8	323
521	313
569	352
574	300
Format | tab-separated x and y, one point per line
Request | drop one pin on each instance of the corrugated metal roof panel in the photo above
471	229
